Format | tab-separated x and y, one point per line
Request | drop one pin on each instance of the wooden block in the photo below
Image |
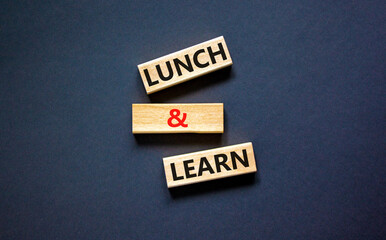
209	165
178	118
184	65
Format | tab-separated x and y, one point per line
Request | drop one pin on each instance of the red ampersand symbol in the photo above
174	113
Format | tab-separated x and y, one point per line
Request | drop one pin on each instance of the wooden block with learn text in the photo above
209	165
178	118
185	64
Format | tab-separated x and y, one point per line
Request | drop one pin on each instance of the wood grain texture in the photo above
193	168
197	59
200	118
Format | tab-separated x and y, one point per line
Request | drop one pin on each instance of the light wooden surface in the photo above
194	162
200	52
200	118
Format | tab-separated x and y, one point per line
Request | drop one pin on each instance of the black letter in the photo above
195	59
187	169
207	168
234	156
175	178
222	163
160	72
178	62
220	51
151	83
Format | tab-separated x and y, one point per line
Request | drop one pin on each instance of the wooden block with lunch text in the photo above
209	165
178	118
185	64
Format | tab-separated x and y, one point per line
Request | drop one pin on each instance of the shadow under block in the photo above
209	165
185	64
178	118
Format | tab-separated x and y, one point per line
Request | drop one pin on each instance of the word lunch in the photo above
185	65
178	118
209	165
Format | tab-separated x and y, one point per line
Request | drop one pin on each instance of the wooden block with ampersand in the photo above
178	118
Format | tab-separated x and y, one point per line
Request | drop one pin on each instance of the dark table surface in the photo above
307	87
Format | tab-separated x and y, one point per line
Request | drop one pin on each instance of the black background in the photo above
307	87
